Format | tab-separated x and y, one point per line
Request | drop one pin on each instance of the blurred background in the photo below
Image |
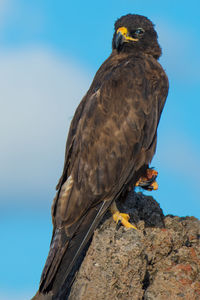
49	53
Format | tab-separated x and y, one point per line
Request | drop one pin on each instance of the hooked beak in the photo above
119	39
122	36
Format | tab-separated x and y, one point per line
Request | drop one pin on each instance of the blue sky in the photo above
49	53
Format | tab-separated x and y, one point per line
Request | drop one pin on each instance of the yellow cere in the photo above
124	32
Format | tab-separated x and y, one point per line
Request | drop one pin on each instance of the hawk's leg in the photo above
120	217
148	182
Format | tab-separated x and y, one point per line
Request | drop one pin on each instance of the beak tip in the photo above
118	40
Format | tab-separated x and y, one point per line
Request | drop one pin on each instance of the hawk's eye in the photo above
139	31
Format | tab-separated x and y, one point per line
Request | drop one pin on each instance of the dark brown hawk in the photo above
111	142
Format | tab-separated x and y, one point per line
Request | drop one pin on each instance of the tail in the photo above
64	255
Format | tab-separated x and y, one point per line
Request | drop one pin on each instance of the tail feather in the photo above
57	249
64	253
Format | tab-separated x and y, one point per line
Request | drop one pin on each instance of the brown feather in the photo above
112	138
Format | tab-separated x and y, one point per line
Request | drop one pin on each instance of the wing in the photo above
70	140
116	126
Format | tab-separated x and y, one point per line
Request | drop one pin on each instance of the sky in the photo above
49	53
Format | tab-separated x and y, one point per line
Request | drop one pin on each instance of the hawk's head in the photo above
136	32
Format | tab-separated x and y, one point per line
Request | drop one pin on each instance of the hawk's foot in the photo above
120	218
148	182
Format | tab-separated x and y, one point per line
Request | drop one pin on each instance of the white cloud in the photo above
39	94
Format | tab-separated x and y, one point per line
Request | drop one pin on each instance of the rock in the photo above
159	261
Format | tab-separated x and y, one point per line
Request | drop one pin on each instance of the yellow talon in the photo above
123	218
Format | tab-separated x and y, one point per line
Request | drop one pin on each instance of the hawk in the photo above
111	142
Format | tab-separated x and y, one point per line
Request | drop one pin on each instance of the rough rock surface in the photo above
159	261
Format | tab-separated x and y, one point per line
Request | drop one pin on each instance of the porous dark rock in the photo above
161	260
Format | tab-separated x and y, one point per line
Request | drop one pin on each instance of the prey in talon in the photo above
148	182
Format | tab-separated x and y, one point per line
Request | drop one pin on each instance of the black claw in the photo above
119	223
